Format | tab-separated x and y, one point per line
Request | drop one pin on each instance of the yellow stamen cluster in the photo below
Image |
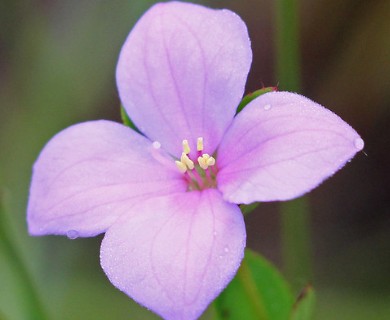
186	163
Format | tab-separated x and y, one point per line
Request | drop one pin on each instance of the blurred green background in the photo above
57	66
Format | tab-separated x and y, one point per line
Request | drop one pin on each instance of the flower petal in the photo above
91	173
182	71
281	146
177	254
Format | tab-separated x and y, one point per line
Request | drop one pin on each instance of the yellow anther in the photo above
186	147
210	161
181	166
187	161
202	163
199	144
206	161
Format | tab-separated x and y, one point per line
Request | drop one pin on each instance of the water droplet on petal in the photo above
72	234
215	233
226	249
156	145
359	143
267	107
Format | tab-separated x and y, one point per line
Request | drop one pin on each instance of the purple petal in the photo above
91	173
182	71
177	254
281	146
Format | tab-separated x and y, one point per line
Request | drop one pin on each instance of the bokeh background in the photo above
57	66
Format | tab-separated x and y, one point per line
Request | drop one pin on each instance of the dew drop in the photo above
72	234
359	143
215	233
267	107
226	249
156	145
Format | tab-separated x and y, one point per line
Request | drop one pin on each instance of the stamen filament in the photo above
194	177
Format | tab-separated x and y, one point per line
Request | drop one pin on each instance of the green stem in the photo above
287	45
296	242
34	307
294	214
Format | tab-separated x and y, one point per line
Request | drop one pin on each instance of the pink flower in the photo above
167	201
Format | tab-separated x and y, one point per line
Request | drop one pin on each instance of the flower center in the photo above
201	173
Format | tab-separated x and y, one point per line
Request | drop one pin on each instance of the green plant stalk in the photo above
295	214
287	45
33	304
296	249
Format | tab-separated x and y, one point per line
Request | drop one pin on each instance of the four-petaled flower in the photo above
167	199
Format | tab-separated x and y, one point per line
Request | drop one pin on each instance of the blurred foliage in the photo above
57	62
257	292
303	308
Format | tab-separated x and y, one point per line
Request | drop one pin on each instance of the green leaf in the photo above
127	121
251	96
31	305
304	306
258	292
248	208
